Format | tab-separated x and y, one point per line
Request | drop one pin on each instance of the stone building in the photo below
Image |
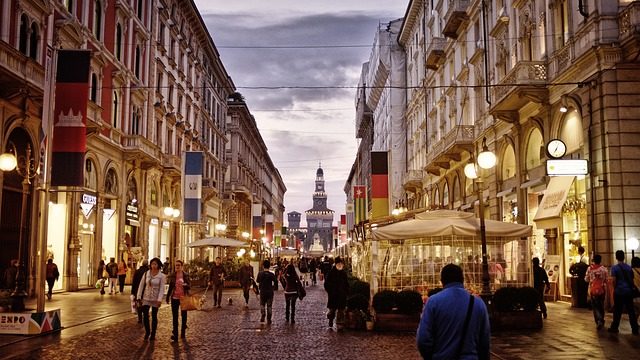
319	217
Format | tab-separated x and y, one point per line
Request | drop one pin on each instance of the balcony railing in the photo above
413	179
172	162
435	53
526	81
450	147
140	146
455	16
23	68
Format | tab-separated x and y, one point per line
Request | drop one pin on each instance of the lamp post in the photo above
632	243
26	167
486	160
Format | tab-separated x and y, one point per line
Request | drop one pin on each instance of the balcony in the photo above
20	70
526	82
628	21
455	17
435	53
209	189
138	148
413	180
450	147
172	164
364	115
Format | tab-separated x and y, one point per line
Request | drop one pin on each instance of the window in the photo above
169	141
93	95
137	65
33	42
140	7
24	36
68	4
118	49
97	19
114	116
159	82
135	121
154	195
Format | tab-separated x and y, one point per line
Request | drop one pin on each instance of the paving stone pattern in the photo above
101	328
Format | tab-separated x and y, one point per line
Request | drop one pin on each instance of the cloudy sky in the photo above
287	45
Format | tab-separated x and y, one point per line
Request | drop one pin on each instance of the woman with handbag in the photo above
150	290
291	284
179	284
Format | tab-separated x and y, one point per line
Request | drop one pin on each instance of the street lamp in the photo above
26	166
632	243
486	160
220	228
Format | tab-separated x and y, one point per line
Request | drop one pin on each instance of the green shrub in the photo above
357	302
515	299
361	288
384	301
409	302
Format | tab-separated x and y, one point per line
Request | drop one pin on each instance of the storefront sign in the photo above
87	204
554	198
89	199
567	167
30	323
132	215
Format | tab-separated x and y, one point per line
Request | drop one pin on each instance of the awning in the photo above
550	208
506	192
217	241
532	183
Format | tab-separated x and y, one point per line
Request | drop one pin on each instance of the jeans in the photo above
291	306
50	282
245	292
154	319
620	301
217	293
112	285
338	314
266	302
597	305
313	277
543	306
175	305
121	282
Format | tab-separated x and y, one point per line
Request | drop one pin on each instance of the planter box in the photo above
397	322
231	284
516	320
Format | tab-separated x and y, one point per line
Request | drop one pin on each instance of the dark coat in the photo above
291	282
337	287
172	284
267	282
137	277
217	274
112	269
246	275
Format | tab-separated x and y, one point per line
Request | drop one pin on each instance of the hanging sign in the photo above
567	167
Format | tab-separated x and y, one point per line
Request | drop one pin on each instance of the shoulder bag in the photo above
302	292
465	326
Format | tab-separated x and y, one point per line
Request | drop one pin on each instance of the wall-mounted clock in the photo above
556	148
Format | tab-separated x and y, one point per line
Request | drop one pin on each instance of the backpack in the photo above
596	286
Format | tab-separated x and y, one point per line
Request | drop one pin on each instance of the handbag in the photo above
190	302
301	290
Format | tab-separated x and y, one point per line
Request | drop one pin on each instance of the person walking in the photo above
216	281
291	281
179	285
337	288
166	267
266	283
541	284
52	276
112	270
137	278
103	275
622	275
325	267
596	276
151	291
635	266
454	323
313	268
122	274
246	280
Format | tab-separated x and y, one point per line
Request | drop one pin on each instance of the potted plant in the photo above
357	312
515	308
397	311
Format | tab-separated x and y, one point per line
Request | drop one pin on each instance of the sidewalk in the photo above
97	327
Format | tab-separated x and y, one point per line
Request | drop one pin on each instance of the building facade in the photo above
319	217
157	88
515	75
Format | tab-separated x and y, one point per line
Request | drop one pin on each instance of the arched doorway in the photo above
12	218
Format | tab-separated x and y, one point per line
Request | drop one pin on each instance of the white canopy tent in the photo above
410	253
217	241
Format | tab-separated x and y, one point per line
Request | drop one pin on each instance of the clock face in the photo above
556	148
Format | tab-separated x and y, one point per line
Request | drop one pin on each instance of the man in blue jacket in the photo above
440	334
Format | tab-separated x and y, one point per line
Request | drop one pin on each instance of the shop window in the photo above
574	223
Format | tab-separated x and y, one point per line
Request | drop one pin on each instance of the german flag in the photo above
360	203
379	184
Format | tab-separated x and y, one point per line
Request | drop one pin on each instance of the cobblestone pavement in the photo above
233	332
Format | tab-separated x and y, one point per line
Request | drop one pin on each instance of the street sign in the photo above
567	167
